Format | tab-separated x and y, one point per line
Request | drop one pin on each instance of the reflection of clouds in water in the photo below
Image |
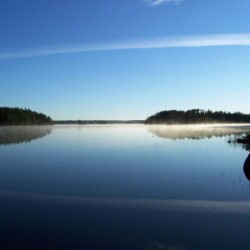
196	131
22	134
191	206
160	246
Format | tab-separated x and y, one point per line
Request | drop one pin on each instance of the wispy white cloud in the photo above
242	39
159	2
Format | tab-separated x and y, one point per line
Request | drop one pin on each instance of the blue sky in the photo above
124	59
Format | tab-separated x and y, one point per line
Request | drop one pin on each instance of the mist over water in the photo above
197	131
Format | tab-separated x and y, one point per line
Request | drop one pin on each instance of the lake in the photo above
124	187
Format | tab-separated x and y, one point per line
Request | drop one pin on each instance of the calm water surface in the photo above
123	187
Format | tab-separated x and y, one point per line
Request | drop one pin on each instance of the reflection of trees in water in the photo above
197	131
245	141
22	134
247	146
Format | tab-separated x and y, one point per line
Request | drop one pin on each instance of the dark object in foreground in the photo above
246	167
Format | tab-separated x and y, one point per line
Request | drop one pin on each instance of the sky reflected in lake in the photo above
164	181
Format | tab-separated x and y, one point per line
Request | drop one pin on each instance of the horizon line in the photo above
189	41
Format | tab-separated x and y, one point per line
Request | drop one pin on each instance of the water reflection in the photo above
207	131
245	141
22	134
196	131
107	187
167	205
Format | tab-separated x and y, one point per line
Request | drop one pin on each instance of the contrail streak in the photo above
241	39
160	2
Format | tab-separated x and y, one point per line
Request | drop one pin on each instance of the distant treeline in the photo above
86	122
195	116
18	116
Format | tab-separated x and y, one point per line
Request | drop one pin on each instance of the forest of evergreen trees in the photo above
197	116
18	116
